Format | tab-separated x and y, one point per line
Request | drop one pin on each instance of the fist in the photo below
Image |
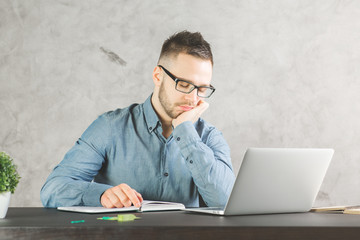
192	115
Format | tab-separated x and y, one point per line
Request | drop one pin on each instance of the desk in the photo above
41	223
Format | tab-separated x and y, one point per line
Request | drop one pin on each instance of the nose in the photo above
193	97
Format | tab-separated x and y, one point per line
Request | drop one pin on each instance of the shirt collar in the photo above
151	118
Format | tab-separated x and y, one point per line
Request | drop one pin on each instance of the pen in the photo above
78	221
108	218
121	218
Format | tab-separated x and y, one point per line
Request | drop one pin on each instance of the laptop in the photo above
275	180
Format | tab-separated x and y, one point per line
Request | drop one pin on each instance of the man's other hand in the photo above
121	196
191	115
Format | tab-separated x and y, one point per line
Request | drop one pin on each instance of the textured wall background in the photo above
287	75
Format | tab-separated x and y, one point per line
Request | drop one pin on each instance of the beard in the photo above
165	103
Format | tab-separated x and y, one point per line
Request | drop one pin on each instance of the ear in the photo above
157	76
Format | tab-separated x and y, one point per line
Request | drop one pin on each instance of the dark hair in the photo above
189	43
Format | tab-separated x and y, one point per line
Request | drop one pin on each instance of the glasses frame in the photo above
194	86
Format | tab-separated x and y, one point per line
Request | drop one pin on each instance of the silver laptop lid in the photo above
278	180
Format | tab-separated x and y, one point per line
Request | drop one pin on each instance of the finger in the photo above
201	106
113	195
118	197
139	196
124	199
199	110
105	201
204	105
130	194
109	200
201	101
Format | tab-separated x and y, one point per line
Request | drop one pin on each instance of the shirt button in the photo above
150	128
191	161
178	138
166	174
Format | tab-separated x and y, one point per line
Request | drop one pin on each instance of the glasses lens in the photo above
187	87
205	92
184	87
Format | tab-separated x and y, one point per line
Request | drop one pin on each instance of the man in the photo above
158	150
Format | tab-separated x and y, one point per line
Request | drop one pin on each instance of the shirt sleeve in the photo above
71	182
209	162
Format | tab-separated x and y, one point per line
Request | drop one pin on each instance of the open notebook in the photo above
353	209
146	206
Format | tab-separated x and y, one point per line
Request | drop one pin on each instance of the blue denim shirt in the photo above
127	146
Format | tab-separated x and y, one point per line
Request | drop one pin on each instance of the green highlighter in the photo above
121	218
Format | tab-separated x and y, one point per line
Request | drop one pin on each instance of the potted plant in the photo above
9	178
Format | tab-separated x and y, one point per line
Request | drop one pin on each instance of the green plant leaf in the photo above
9	177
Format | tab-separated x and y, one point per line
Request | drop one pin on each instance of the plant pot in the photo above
4	203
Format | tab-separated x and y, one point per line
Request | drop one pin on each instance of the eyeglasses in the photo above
187	87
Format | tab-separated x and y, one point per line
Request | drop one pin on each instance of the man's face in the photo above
191	69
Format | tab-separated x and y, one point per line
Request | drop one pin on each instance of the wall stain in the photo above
323	195
114	57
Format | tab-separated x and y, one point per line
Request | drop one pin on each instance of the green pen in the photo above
78	221
121	218
108	218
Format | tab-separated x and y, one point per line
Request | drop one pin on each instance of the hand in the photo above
121	196
192	115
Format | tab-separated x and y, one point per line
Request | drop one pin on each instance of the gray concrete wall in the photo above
286	72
